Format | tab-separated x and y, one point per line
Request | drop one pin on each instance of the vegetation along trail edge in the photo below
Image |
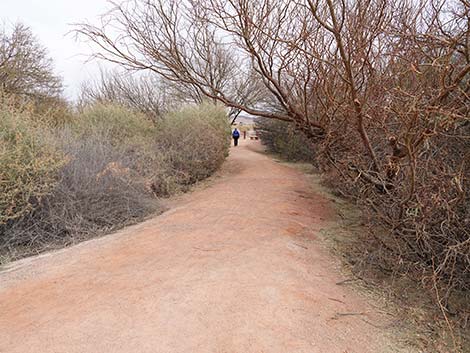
233	267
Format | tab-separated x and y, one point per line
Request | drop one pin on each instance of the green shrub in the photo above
193	143
28	167
118	124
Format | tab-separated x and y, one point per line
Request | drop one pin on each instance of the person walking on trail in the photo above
236	136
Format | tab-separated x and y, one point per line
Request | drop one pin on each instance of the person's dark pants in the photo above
235	141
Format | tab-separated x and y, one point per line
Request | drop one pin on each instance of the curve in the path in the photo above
234	267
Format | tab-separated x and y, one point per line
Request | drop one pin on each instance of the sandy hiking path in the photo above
235	267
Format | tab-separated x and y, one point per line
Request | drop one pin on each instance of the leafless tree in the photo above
25	68
143	93
209	47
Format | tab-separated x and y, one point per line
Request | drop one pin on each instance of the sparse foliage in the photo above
25	68
146	94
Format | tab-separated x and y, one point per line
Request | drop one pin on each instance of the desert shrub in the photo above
282	138
120	125
28	167
195	142
53	112
96	191
93	189
45	112
181	148
111	165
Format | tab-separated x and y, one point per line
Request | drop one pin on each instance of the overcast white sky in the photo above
50	21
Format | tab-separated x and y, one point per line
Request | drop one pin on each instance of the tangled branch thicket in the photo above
381	88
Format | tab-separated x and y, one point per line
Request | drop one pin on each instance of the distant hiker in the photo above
236	136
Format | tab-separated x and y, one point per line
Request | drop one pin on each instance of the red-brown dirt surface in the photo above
233	267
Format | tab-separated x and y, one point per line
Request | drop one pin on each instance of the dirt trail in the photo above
235	267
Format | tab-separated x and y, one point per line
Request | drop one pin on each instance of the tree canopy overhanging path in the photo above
233	267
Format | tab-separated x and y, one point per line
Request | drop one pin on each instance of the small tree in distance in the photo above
25	68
